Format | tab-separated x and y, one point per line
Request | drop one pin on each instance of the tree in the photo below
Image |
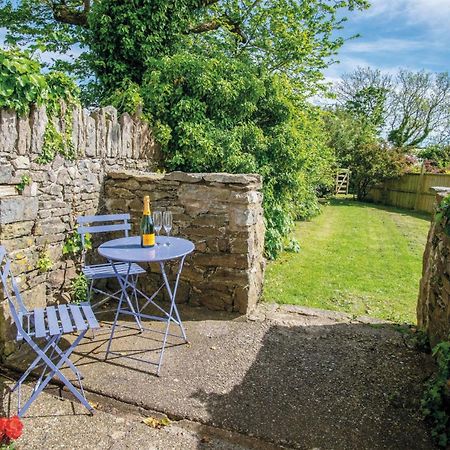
421	106
358	148
287	36
364	92
222	82
410	108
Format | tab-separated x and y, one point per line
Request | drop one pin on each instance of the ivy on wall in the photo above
23	84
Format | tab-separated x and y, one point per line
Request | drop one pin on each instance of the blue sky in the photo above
414	34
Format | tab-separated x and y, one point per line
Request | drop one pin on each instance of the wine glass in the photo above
157	222
167	224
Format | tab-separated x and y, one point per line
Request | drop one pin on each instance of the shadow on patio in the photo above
298	380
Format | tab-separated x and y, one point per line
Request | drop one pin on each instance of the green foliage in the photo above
373	163
219	115
44	262
126	98
358	149
21	81
292	38
410	108
438	154
293	246
22	84
73	245
442	216
79	289
25	181
369	103
436	398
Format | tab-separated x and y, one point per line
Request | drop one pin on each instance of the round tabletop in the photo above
128	249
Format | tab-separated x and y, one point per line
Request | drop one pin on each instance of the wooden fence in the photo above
411	191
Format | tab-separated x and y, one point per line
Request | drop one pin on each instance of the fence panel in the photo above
411	191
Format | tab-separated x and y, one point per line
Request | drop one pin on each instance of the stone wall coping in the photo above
227	178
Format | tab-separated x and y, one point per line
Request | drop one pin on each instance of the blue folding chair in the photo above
107	224
42	329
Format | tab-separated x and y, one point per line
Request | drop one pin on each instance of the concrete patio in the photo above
286	377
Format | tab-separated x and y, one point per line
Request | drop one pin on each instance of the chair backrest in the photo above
89	224
11	290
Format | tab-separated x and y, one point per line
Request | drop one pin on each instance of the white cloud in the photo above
434	14
385	45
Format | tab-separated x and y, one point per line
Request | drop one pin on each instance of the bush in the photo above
436	398
358	149
220	115
372	163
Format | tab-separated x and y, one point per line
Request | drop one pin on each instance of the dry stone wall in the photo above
221	214
433	308
42	215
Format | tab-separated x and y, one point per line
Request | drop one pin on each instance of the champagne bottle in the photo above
147	226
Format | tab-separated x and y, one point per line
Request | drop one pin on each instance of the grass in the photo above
355	257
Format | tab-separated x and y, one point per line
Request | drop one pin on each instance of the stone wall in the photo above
433	308
41	217
221	214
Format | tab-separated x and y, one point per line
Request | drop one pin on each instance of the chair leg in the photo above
54	369
34	364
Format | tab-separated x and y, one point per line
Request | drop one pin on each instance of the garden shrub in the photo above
219	115
23	84
436	398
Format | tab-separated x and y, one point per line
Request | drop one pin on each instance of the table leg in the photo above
173	307
123	281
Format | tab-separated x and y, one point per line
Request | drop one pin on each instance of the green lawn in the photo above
355	257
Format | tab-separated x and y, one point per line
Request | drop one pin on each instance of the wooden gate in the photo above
342	181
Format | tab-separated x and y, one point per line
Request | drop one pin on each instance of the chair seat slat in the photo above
103	218
77	317
39	323
90	316
65	319
52	320
106	270
104	228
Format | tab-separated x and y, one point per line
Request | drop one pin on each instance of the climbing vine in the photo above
25	181
443	214
23	84
436	398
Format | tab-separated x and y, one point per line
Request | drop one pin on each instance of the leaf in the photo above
157	423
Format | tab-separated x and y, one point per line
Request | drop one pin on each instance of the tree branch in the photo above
62	13
232	25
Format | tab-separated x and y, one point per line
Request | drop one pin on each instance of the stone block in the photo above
126	124
38	121
231	178
18	209
91	134
15	230
184	177
23	136
8	130
8	191
21	162
6	175
222	260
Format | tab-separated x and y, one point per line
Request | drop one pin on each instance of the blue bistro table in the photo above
128	250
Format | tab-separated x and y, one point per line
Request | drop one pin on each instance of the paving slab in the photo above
287	377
